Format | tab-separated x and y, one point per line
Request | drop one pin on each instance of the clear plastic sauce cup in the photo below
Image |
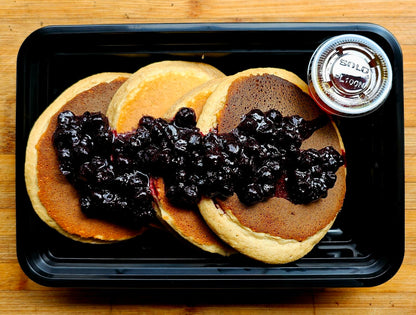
349	75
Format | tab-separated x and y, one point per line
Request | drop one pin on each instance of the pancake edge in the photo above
168	222
259	246
37	131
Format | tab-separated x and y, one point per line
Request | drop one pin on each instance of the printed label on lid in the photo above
350	75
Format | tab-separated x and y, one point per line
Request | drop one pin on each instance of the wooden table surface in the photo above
20	17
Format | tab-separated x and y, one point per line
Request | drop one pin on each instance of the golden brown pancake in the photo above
53	198
194	99
275	231
153	89
159	90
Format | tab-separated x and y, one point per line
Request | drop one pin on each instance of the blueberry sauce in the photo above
90	157
112	171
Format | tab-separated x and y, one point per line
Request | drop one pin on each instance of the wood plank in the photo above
410	141
8	248
410	197
162	9
7	182
364	303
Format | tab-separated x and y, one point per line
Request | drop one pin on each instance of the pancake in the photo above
275	231
153	89
161	89
189	224
194	99
53	198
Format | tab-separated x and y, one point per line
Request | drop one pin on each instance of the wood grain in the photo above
20	18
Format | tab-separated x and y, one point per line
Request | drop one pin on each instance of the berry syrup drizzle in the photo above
259	159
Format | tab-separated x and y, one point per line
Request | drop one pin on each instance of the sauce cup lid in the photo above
349	75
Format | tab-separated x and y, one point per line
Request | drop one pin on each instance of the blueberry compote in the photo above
111	171
89	155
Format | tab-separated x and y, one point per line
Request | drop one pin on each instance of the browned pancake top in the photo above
55	192
277	216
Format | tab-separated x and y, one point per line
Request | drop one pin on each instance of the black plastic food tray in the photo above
365	247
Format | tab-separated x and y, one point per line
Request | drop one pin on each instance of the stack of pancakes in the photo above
275	231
